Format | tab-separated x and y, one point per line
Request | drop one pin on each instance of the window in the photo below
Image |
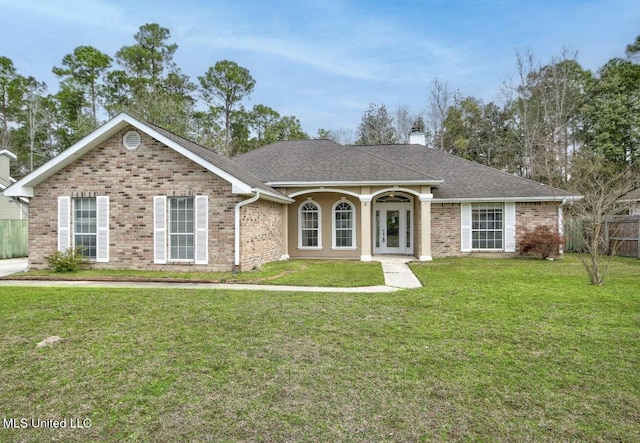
85	227
181	228
343	225
181	225
487	231
309	222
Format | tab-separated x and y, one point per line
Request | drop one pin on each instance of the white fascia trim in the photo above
264	195
355	183
9	154
506	199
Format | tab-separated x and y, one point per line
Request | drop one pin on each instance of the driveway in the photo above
12	266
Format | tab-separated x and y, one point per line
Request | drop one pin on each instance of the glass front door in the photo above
393	229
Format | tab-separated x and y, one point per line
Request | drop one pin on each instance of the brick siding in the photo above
261	234
446	226
131	179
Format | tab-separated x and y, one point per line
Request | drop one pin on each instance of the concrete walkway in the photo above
397	273
397	276
13	266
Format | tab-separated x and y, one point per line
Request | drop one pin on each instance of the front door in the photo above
393	228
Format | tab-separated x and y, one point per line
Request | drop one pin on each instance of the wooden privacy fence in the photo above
622	235
14	238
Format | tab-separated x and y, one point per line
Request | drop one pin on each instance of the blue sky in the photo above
324	61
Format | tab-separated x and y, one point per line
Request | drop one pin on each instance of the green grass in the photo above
488	350
332	273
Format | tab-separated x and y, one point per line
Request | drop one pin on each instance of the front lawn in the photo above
332	273
488	350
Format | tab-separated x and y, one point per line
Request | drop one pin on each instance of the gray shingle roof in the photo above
219	161
316	161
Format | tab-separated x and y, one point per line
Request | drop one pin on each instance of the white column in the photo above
365	228
425	227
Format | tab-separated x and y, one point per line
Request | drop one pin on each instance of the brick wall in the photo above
131	179
261	234
446	225
445	229
531	215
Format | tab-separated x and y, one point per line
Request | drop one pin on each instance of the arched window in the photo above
309	223
344	225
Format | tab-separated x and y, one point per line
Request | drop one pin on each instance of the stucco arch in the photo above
412	192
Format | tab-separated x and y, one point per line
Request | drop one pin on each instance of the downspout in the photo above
561	226
236	262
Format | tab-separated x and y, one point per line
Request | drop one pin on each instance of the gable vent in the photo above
131	140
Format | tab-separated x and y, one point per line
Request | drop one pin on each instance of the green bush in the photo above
543	241
70	260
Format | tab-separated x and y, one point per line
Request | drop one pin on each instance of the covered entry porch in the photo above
362	222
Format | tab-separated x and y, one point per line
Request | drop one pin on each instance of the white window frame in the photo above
171	235
486	208
318	228
79	207
335	228
508	226
67	222
162	228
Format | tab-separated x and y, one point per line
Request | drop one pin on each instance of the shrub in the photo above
543	241
70	260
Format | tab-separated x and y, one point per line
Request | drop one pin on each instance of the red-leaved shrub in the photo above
543	241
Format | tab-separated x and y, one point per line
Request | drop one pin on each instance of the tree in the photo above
146	61
612	113
223	87
206	130
36	117
262	119
403	123
150	85
285	128
10	98
546	103
480	132
343	135
633	49
440	100
266	125
561	87
376	127
83	70
601	185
